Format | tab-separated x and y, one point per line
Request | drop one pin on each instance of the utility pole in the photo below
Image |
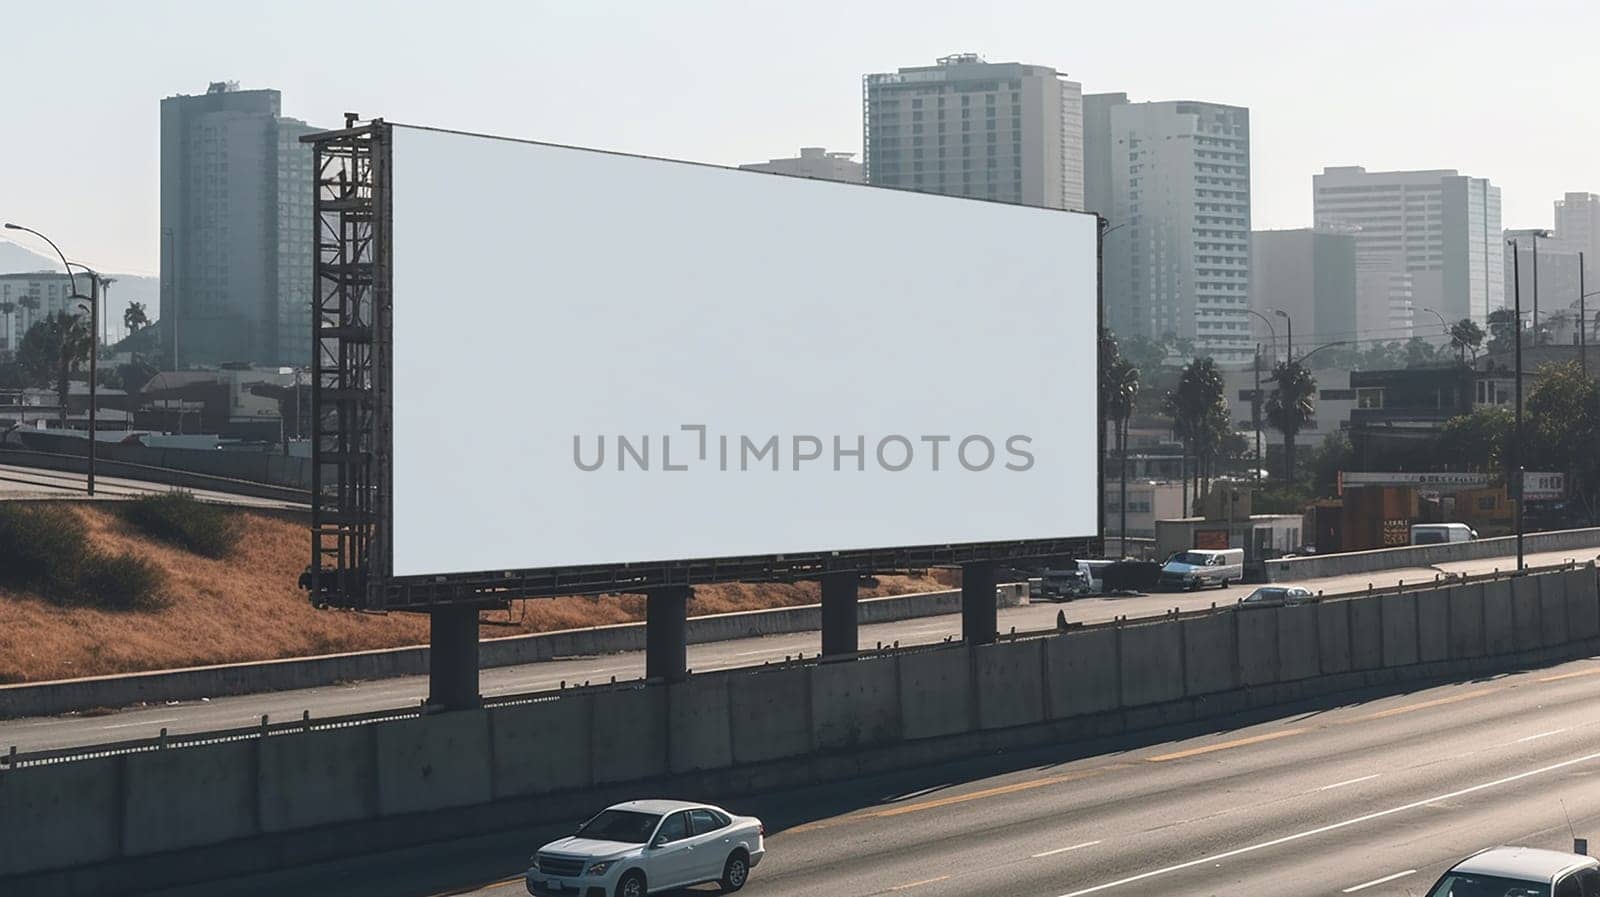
1255	415
1583	322
1516	432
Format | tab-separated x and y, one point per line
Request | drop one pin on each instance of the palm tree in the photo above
1196	406
1465	336
7	308
52	349
134	317
1122	382
1290	407
31	303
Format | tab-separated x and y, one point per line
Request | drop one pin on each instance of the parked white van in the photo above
1203	566
1440	533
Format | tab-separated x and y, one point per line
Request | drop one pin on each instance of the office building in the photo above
236	239
1445	225
1386	300
966	127
26	299
1578	223
1173	181
1547	270
815	162
1309	275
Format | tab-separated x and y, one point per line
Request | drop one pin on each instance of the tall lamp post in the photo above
1288	352
1443	327
1516	429
1255	401
94	333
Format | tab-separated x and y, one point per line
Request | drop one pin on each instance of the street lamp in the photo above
1516	250
94	330
1516	431
1255	399
1288	352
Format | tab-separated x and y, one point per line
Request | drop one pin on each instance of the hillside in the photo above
248	607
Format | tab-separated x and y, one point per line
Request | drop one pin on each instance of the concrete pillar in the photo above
979	618
452	658
839	624
666	633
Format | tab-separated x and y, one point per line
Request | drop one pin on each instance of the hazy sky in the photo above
1499	90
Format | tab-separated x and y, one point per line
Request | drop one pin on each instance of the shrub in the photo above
44	549
179	519
117	582
40	545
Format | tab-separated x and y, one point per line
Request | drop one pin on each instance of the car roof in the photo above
658	807
1527	863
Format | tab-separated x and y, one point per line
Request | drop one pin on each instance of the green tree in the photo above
1325	461
1561	426
1290	406
1477	441
135	318
1466	336
52	349
8	308
1198	407
135	374
1502	327
1419	353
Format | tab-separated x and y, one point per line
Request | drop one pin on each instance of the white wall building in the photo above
1173	180
815	162
49	291
1578	222
1445	225
965	127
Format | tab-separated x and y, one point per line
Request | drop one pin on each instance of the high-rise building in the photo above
236	238
1385	298
966	127
1578	222
815	162
1445	225
1309	275
1172	180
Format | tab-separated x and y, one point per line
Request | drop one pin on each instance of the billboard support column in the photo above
453	658
839	622
979	617
666	633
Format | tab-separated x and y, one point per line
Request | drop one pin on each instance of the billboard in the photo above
609	359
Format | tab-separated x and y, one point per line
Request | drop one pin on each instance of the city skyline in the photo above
1410	105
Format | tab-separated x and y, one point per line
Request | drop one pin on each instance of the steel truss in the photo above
349	362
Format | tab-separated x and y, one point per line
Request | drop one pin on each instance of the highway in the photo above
30	734
1373	797
18	482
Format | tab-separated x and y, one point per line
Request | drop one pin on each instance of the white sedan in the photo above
648	846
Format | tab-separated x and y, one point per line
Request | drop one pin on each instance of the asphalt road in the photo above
244	710
1374	798
17	482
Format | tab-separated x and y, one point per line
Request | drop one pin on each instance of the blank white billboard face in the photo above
604	359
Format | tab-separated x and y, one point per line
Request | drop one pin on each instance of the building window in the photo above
1369	397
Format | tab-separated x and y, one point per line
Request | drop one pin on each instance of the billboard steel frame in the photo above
351	404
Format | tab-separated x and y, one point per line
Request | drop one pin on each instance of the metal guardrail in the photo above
267	729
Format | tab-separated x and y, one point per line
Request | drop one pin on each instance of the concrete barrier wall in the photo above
96	820
1582	542
73	695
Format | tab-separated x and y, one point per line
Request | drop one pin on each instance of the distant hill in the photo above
15	259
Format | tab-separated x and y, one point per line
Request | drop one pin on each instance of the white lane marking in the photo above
748	653
145	722
1298	836
1542	735
1349	782
1378	881
1051	853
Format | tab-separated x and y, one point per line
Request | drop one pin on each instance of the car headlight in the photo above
599	868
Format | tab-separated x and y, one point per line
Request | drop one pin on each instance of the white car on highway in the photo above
1520	872
648	846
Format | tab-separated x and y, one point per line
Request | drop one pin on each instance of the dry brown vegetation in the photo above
248	607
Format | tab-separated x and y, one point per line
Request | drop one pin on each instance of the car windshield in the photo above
624	826
1465	884
1267	595
1192	558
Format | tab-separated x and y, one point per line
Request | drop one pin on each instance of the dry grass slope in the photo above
248	607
